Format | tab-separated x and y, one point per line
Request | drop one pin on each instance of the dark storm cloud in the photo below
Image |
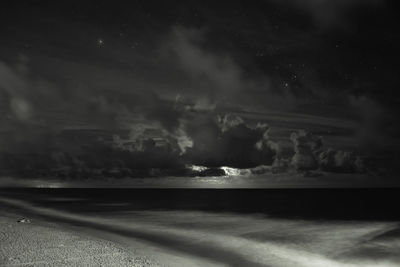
28	104
223	141
32	104
311	155
306	146
35	140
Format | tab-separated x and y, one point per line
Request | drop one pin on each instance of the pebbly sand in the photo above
33	244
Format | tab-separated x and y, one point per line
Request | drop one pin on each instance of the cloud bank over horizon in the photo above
48	128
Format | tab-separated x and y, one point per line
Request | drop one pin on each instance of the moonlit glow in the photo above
235	172
197	168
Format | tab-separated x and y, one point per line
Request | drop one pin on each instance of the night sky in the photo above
202	79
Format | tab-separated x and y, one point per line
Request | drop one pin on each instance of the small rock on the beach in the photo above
24	220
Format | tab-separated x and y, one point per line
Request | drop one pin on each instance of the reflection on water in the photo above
232	239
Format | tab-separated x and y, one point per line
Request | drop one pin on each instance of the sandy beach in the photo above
73	228
34	244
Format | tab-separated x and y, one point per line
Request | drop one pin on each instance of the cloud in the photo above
31	103
204	139
42	142
310	155
229	141
14	92
216	73
306	146
37	113
21	109
215	78
340	161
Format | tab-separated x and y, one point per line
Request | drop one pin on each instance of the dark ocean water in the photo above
339	204
233	227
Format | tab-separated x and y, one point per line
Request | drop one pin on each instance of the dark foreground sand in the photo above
32	244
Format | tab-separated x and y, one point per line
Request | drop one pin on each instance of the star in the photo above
100	42
134	45
259	54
